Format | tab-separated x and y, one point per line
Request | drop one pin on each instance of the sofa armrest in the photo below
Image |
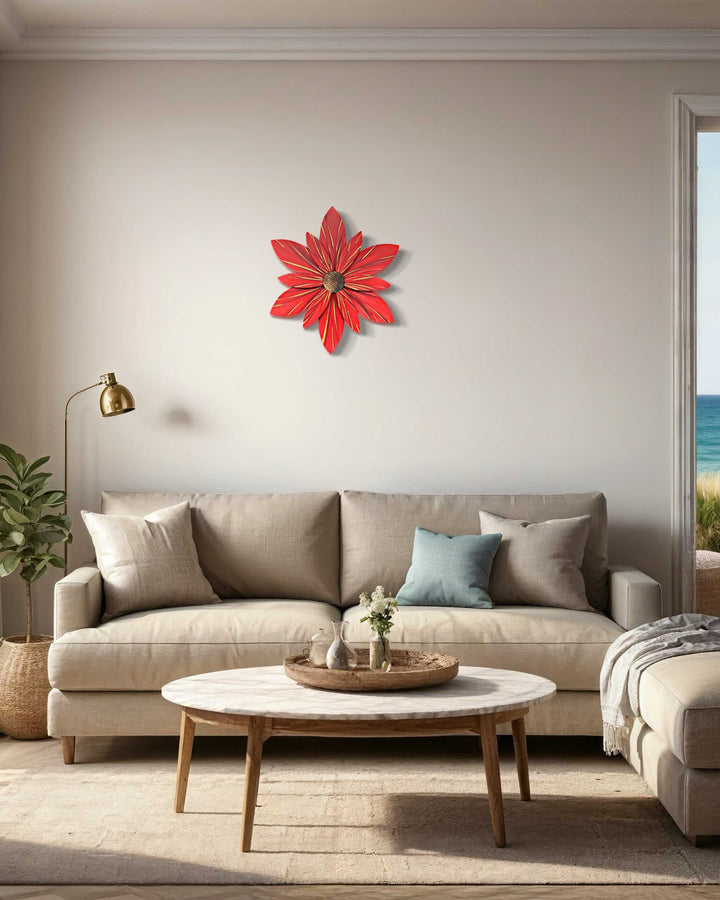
78	600
635	598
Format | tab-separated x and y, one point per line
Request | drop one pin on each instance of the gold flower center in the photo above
333	282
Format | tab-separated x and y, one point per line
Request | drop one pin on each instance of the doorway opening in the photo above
707	416
696	402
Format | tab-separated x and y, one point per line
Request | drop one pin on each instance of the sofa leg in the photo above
701	840
68	750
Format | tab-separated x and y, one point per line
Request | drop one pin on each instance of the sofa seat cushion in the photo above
565	645
145	650
679	699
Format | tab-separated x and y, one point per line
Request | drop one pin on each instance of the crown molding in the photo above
353	43
11	26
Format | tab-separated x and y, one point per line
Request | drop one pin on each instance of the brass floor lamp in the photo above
115	399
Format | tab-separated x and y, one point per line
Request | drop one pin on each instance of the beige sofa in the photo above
284	564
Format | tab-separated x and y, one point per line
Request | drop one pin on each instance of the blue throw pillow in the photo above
450	571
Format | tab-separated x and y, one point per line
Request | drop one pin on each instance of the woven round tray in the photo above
410	669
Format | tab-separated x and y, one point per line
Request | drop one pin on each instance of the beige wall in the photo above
533	293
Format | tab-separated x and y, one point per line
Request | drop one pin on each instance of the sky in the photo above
708	264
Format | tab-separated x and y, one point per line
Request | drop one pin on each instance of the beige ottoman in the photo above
675	745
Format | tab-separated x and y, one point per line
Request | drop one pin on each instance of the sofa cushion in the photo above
148	562
680	700
378	532
256	545
145	650
565	645
449	571
538	563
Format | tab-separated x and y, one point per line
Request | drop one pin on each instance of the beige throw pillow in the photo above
538	564
148	563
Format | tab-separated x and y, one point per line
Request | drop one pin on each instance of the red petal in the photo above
316	308
319	254
349	252
295	256
371	306
331	326
301	281
372	259
366	282
292	302
348	310
332	234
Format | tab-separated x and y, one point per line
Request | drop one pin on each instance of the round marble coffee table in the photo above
262	702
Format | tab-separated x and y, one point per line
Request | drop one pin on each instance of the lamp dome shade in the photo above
115	399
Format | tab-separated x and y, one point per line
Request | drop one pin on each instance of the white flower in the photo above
379	606
378	593
364	599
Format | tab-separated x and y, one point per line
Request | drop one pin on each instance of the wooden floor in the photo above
361	892
17	756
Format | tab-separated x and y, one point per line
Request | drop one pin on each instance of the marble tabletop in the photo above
267	691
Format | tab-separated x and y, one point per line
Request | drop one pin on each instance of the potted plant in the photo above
29	528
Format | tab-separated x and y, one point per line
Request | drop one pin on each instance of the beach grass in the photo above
707	521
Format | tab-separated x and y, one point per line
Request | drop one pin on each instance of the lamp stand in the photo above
65	470
114	400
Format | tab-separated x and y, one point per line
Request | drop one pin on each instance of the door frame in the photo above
688	111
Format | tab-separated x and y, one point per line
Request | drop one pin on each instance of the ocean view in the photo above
708	433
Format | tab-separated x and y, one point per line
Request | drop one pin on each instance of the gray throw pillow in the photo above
538	563
148	563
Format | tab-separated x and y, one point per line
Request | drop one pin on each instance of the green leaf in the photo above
50	535
39	570
35	484
17	537
62	521
13	517
51	498
9	563
15	460
34	464
10	498
56	561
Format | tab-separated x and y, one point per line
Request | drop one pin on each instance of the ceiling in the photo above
38	15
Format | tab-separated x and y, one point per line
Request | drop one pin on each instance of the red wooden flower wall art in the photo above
333	281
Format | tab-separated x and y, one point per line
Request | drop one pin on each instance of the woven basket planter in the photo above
24	686
707	582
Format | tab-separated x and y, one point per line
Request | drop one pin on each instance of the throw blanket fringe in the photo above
613	738
636	650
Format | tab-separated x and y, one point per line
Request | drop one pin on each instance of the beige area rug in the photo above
389	812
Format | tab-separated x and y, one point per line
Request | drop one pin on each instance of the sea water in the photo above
708	433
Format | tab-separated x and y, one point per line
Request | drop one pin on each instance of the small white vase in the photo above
340	654
379	653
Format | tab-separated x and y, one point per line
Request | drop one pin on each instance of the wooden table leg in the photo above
68	750
256	735
491	761
187	733
521	756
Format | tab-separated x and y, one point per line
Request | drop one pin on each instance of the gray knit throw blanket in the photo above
632	653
